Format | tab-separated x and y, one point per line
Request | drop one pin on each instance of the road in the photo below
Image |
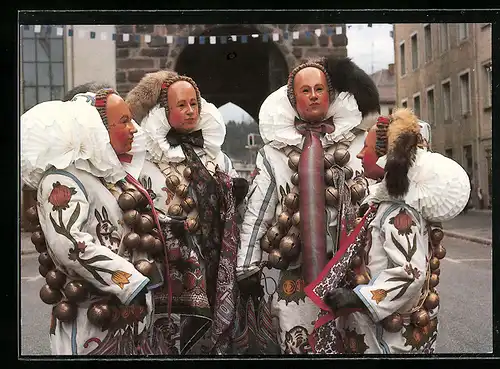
465	294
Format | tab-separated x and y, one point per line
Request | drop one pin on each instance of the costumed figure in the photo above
83	158
308	178
193	181
378	294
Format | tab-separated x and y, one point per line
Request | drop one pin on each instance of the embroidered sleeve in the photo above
64	211
262	199
404	276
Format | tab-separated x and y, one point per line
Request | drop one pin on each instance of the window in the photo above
414	51
465	92
443	37
447	100
430	106
488	84
449	153
468	159
404	103
416	105
390	111
428	42
402	62
462	31
42	56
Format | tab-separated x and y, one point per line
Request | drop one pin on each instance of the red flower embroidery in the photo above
60	196
81	246
402	222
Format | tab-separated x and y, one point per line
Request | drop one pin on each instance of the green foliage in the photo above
236	139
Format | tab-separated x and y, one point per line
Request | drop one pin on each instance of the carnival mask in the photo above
120	127
311	94
369	157
183	109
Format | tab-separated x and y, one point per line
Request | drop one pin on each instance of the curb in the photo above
28	252
484	241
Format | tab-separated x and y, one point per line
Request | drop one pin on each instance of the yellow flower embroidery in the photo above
378	295
120	278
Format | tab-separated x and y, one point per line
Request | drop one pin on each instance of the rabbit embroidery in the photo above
148	186
105	230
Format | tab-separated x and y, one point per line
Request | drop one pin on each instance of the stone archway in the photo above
241	73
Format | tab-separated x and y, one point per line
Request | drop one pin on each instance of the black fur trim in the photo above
399	160
240	189
346	76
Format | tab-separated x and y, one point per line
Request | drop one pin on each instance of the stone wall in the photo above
134	58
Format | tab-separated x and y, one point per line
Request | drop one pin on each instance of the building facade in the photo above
443	73
385	80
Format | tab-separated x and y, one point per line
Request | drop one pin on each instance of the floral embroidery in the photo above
60	196
291	286
417	337
402	222
413	272
354	343
170	195
120	278
378	295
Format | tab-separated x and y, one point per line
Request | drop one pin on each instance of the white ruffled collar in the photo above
60	134
277	116
156	126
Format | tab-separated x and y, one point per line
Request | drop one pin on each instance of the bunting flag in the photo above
60	31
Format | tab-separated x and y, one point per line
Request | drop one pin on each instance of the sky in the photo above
371	48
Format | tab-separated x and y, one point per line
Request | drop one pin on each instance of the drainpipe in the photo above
477	75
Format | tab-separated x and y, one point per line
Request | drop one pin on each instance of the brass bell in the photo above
192	224
65	311
99	314
331	196
358	192
437	271
329	175
172	181
275	260
296	218
182	190
147	242
341	156
38	240
145	224
141	200
131	217
127	201
295	179
285	220
158	247
420	318
292	201
187	173
293	161
434	263
188	204
433	324
32	214
431	301
144	266
132	241
433	280
265	244
289	247
329	160
43	270
155	233
274	235
360	279
294	231
75	292
437	236
45	260
393	323
356	261
175	210
439	252
348	172
50	295
55	279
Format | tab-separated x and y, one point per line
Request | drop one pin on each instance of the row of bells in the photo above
187	204
421	317
67	296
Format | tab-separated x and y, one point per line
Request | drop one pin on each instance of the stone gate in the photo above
232	71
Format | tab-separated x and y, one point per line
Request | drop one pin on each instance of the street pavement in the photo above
465	292
475	225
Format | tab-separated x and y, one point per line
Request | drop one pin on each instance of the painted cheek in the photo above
120	138
302	104
372	170
176	118
324	101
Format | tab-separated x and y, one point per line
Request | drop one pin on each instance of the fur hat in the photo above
152	90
